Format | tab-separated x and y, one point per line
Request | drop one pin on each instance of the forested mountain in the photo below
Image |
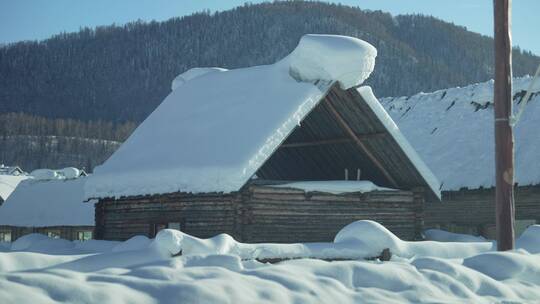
111	75
36	142
122	73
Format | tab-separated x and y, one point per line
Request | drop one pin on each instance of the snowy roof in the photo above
219	128
8	170
50	174
38	203
8	183
452	130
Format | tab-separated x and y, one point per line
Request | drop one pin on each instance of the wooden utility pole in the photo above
504	138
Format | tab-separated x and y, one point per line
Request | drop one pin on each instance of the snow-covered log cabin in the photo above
460	122
292	151
49	204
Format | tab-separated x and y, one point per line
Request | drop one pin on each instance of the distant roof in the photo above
9	170
47	203
215	131
8	183
452	130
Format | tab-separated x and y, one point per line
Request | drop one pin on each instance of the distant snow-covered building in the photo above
51	207
211	157
453	132
8	170
8	183
10	177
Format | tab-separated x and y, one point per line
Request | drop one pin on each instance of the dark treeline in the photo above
34	142
15	124
34	152
122	73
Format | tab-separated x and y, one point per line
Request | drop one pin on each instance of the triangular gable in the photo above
350	130
219	128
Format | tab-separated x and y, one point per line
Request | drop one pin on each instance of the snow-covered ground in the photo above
35	269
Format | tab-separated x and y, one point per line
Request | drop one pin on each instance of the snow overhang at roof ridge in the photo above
430	179
277	99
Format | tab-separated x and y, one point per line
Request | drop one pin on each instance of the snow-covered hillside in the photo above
452	131
220	270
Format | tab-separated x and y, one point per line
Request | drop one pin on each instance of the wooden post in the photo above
504	139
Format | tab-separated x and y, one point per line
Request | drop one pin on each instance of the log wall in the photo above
64	232
199	215
260	214
290	215
473	211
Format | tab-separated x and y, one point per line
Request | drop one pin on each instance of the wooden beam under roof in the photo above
329	141
359	143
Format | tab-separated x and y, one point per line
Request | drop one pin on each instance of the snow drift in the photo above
191	74
212	272
346	60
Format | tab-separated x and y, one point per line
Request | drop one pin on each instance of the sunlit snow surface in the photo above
216	128
453	132
335	186
8	183
140	270
42	203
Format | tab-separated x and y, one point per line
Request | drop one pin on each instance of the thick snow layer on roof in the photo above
50	174
335	187
452	130
38	203
8	183
212	133
347	60
191	74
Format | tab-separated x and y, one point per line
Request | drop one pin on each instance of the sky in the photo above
40	19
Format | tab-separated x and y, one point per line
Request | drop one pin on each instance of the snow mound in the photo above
49	174
169	241
335	187
530	239
508	265
369	234
94	246
44	174
70	172
216	270
137	242
360	239
25	241
445	236
191	74
347	60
